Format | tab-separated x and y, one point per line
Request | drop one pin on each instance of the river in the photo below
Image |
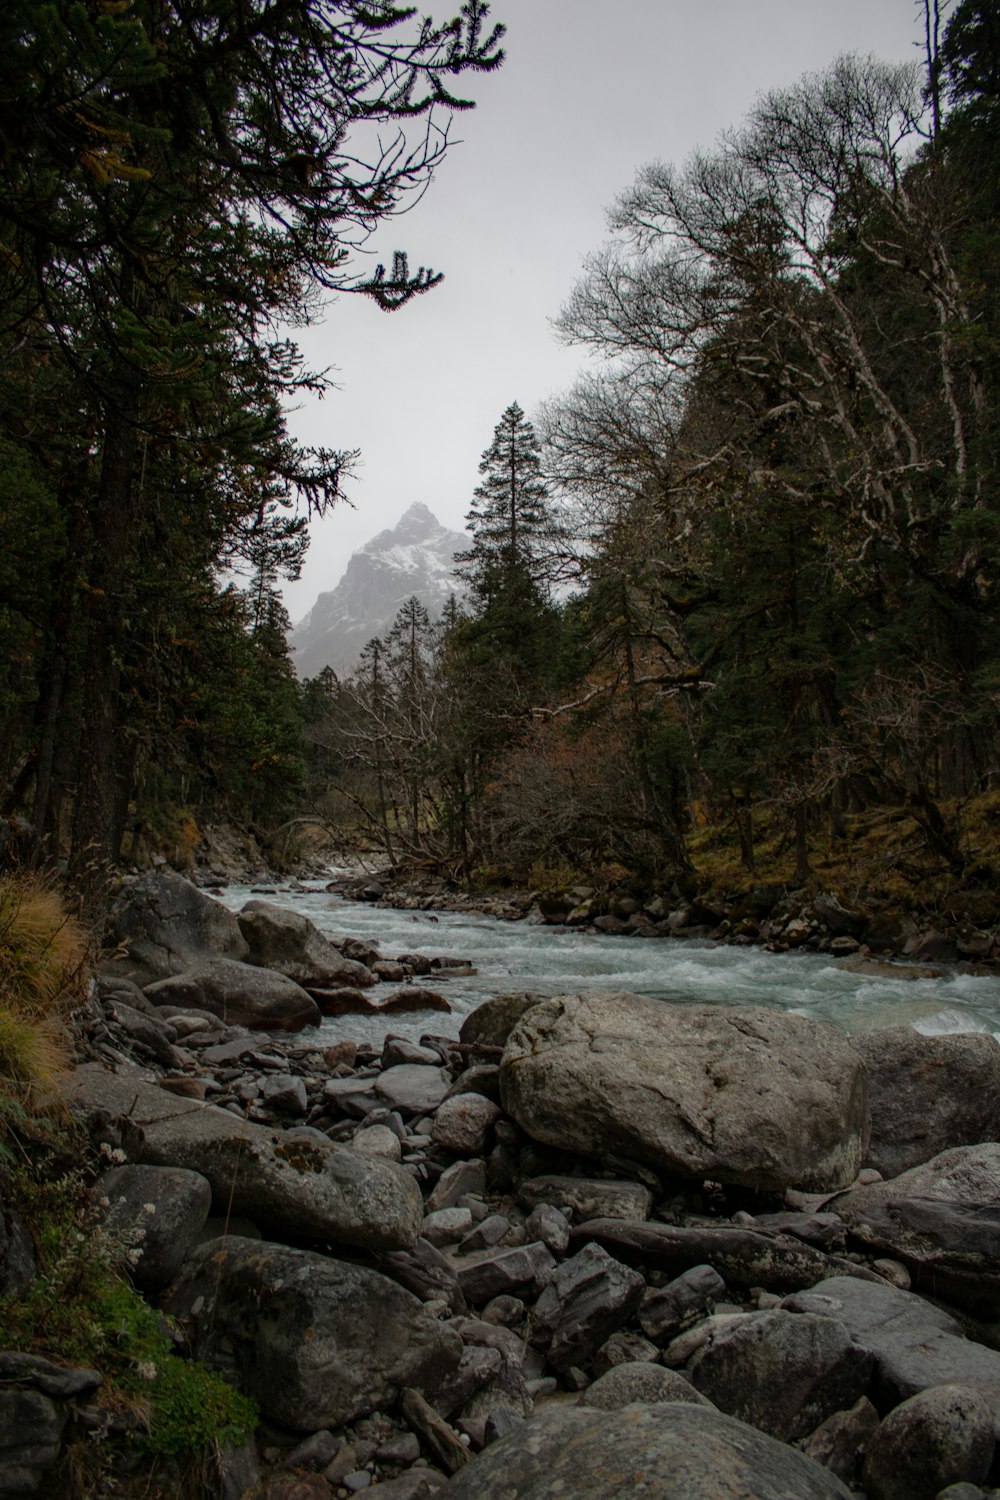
556	960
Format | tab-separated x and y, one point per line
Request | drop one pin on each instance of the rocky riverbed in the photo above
598	1246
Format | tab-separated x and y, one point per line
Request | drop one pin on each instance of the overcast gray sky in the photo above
590	90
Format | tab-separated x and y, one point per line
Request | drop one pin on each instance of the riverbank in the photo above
771	917
412	1254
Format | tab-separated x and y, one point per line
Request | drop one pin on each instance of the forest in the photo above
729	605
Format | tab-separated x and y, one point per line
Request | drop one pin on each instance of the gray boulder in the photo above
316	1341
239	994
672	1448
742	1095
289	942
914	1344
942	1220
310	1189
782	1372
928	1094
491	1023
158	1214
165	924
942	1436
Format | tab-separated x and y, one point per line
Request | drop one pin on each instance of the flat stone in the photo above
506	1272
446	1226
915	1345
589	1198
412	1088
312	1189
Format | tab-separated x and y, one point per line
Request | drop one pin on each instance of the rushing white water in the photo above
557	960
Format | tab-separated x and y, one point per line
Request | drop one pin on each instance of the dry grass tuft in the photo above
43	953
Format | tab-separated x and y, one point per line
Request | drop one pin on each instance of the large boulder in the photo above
686	1451
914	1344
316	1341
929	1093
239	994
742	1095
309	1190
490	1024
782	1372
942	1436
164	924
289	942
942	1219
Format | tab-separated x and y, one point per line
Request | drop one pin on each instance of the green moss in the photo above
81	1309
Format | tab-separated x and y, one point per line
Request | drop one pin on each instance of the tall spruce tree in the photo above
180	177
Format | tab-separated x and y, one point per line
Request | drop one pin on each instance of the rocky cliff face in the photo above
415	557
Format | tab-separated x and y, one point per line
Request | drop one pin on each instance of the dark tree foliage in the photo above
179	178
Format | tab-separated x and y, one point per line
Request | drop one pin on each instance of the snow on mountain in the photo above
416	556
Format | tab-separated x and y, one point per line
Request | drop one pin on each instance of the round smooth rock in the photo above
668	1449
942	1436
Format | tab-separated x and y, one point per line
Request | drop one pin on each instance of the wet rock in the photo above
491	1023
425	1272
455	1181
839	1442
289	942
152	1036
547	1224
316	1341
665	1311
783	1372
412	998
18	1258
505	1273
446	1226
942	1436
285	1093
740	1095
31	1427
913	1343
378	1140
942	1220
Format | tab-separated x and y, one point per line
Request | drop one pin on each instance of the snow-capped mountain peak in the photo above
414	557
